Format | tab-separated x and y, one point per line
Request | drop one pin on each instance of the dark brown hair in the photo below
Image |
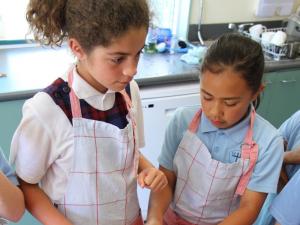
240	54
90	22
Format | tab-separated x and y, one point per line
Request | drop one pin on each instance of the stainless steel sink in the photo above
282	60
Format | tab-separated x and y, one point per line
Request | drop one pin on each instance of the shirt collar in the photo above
205	125
237	132
84	90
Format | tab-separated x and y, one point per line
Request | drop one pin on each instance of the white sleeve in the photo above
138	111
41	140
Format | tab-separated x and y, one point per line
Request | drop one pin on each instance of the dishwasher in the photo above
159	104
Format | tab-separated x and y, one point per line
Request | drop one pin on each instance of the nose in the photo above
130	68
216	111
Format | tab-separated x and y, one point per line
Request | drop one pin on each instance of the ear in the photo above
76	48
260	89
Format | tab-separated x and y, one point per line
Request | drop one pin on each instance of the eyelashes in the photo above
229	103
119	59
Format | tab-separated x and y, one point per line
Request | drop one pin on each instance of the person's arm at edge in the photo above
144	163
11	200
160	201
246	214
292	156
40	206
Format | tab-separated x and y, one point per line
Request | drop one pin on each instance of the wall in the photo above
224	11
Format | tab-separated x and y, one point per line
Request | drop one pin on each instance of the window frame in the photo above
182	8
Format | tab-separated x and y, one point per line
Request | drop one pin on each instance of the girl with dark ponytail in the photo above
221	159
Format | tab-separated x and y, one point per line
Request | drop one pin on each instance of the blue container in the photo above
164	35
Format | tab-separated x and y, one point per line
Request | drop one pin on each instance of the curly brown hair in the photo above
90	22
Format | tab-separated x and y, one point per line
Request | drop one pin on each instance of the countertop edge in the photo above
275	66
142	82
191	75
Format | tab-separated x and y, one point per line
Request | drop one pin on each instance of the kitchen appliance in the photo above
292	50
293	27
162	101
272	50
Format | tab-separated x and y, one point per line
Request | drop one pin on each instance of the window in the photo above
172	14
13	25
164	12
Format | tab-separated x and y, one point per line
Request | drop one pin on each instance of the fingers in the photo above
158	185
150	177
141	178
156	180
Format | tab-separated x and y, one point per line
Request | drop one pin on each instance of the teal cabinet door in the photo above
281	96
266	95
10	116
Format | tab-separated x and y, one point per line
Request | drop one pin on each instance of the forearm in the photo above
241	216
144	163
11	200
40	206
292	156
158	205
246	214
160	201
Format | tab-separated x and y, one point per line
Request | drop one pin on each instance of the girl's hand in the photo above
152	178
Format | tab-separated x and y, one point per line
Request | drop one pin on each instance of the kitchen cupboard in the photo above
280	98
10	116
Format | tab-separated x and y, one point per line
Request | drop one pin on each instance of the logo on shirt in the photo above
235	156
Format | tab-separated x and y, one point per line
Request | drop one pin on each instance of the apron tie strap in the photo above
249	151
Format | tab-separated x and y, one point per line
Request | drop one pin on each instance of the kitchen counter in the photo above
283	64
28	70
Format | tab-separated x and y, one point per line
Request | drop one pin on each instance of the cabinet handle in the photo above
268	82
287	81
149	106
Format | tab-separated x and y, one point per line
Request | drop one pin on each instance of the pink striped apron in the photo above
101	187
207	190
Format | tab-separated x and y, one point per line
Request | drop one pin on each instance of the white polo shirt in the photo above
42	145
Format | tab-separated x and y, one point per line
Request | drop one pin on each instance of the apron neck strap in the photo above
75	103
249	136
127	99
193	127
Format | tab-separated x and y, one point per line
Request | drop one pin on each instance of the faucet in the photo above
233	27
199	24
241	27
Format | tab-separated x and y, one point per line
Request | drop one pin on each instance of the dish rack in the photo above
273	51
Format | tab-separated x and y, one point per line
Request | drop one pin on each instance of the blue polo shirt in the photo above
290	131
225	145
6	169
285	207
